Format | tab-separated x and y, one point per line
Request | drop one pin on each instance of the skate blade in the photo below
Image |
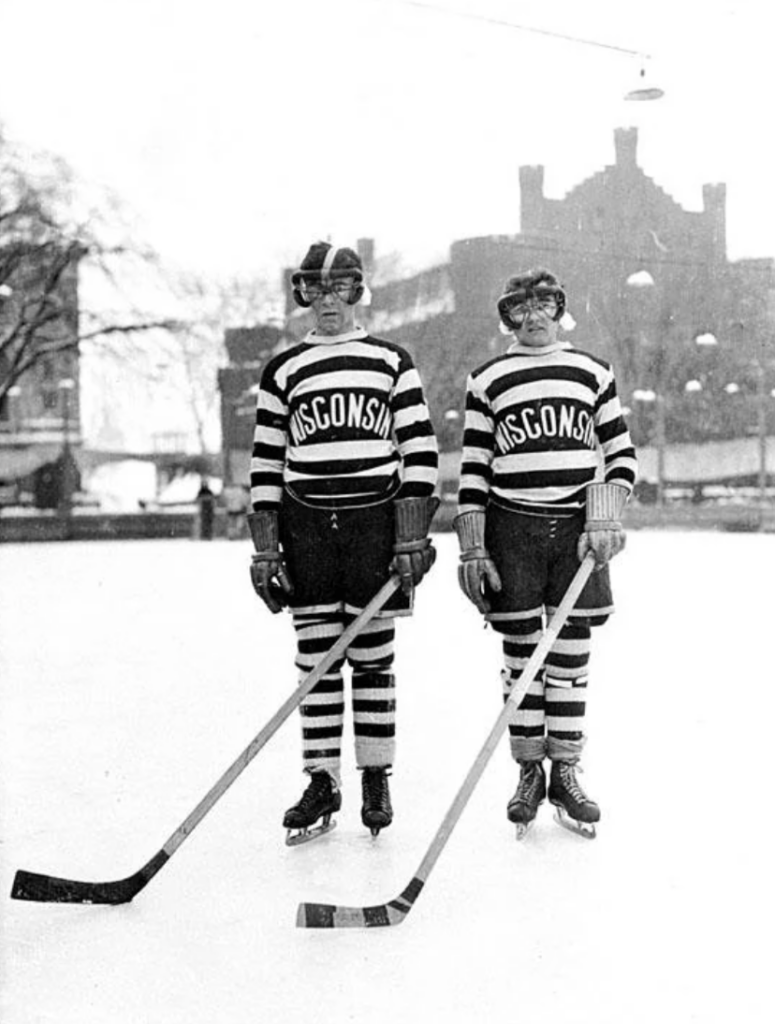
522	829
306	835
584	829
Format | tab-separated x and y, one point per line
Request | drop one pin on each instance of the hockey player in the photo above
547	467
342	476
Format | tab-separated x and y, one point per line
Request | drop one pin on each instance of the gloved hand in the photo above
413	551
476	569
267	570
603	532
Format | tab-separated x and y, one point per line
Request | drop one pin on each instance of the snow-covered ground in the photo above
132	674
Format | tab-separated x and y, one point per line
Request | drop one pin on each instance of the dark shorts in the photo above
339	556
536	558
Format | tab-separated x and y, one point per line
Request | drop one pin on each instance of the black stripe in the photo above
560	709
478	439
259	478
528	375
383	732
376	917
408	399
543	478
412	431
341	466
566	661
374	706
270	418
526	731
340	363
574	735
319	755
321	710
373	680
332	732
530	702
368	488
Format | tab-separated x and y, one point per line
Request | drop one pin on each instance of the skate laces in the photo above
571	783
529	781
319	785
374	781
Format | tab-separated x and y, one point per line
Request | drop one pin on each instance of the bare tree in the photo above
192	353
51	234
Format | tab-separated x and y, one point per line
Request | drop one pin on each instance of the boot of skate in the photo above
377	810
319	800
568	796
529	795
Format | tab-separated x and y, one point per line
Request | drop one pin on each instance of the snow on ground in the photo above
131	676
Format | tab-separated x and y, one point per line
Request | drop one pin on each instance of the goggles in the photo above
312	291
519	309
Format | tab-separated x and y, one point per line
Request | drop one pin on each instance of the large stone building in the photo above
645	279
649	285
248	349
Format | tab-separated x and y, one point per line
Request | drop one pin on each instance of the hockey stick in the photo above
324	915
48	889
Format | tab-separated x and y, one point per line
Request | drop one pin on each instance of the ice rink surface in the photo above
131	676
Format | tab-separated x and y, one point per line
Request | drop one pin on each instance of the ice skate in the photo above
377	811
529	795
318	802
574	810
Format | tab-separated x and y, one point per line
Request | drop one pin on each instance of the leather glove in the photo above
476	571
267	570
413	551
603	532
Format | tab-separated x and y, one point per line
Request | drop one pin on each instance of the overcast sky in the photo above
238	131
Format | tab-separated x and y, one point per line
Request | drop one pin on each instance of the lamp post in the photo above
762	400
761	424
66	386
642	282
14	394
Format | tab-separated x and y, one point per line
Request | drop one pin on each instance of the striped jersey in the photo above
341	421
540	425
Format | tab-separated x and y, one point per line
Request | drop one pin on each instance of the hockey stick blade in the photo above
38	888
46	889
326	915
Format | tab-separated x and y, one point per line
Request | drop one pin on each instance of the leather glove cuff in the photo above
605	504
469	527
413	517
264	527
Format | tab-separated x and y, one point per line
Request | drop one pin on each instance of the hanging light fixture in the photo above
645	90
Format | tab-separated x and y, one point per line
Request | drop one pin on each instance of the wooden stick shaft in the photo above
515	698
240	764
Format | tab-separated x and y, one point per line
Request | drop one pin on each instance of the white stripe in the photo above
388	693
526	462
328	263
344	380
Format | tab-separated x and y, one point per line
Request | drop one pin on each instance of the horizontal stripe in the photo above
526	731
335	422
540	423
310	709
314	735
374	707
372	729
